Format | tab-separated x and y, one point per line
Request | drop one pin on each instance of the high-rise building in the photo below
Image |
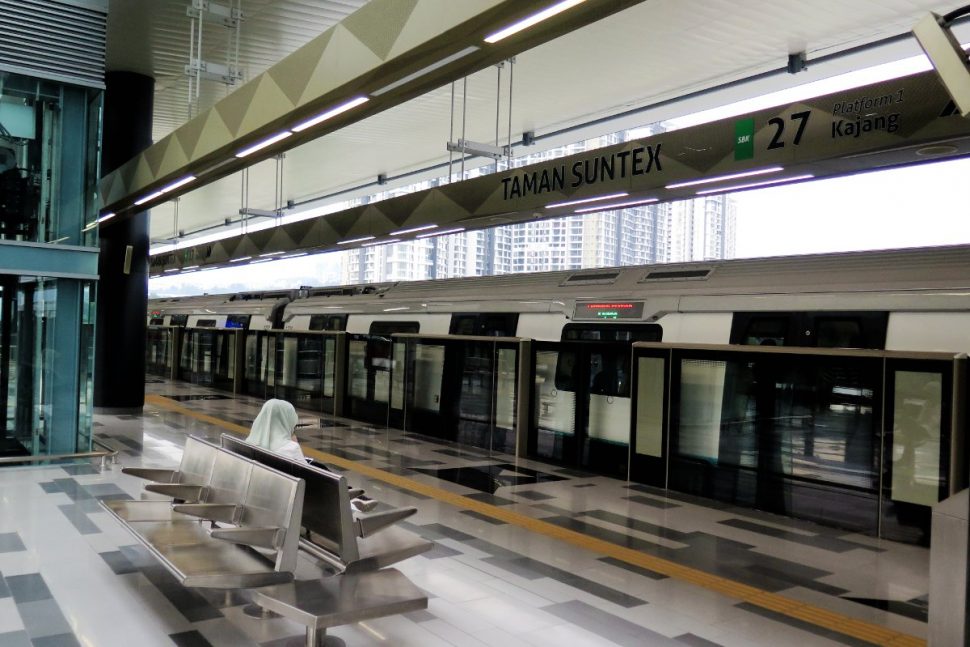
698	229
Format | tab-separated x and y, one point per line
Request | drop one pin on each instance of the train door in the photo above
582	407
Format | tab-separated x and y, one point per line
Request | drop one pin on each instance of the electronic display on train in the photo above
608	310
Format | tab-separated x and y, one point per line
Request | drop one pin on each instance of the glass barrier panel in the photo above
329	367
554	409
398	375
916	450
651	374
793	434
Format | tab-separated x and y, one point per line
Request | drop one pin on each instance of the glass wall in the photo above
49	160
46	364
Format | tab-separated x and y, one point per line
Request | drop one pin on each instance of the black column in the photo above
123	295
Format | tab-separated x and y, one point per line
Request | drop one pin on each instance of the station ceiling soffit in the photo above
392	15
392	43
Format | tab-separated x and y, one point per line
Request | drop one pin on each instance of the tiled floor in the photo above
69	575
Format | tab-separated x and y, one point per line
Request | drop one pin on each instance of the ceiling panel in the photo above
657	50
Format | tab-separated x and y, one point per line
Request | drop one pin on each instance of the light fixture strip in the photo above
611	196
294	255
271	254
355	240
382	242
617	205
721	178
174	269
269	141
107	216
190	267
411	230
529	21
329	114
425	70
740	187
441	233
178	183
240	259
148	198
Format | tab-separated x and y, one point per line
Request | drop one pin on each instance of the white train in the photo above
829	387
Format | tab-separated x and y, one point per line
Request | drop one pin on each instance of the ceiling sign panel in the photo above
892	123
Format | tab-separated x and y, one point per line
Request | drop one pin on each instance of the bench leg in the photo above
319	638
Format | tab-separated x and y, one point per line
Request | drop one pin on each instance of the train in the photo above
827	387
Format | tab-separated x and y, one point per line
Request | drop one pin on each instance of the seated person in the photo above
273	429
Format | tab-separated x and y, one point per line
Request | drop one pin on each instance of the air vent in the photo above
592	278
54	39
677	275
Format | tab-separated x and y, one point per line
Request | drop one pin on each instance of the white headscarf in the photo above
274	425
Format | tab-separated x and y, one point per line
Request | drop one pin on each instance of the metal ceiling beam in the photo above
389	51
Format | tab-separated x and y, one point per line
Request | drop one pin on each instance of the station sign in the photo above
607	310
902	121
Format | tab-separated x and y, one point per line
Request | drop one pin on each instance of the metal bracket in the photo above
215	13
478	148
227	74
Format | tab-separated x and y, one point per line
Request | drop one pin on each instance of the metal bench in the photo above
351	541
209	484
240	528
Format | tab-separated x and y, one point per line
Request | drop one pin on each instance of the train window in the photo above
838	333
157	321
178	320
610	373
612	332
811	329
388	328
237	321
206	323
487	324
328	322
766	331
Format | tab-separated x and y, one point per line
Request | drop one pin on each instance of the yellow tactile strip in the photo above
811	614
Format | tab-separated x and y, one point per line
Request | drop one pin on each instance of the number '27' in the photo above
779	124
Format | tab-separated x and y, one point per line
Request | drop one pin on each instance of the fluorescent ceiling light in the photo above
107	216
356	240
617	205
382	242
425	70
239	260
398	309
176	184
528	21
570	203
333	112
174	269
739	187
411	230
148	198
271	254
90	227
190	267
295	255
441	233
721	178
263	144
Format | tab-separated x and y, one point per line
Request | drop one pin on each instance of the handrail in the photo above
38	458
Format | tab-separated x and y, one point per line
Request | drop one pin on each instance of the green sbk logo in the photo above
743	139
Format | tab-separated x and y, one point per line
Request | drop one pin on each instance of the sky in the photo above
924	205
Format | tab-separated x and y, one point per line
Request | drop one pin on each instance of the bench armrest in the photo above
191	493
271	538
151	474
371	522
224	512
